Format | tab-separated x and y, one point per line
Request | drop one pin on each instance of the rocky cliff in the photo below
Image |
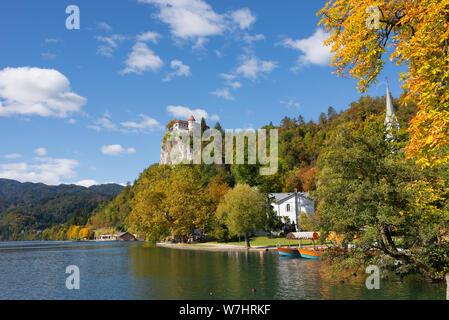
175	148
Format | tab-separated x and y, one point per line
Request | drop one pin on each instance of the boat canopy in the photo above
303	236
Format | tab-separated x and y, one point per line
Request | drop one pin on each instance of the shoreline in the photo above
213	247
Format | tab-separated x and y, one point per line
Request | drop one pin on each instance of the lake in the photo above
136	270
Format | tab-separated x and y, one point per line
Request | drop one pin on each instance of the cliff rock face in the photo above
175	150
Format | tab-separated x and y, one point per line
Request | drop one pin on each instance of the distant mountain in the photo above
107	189
32	207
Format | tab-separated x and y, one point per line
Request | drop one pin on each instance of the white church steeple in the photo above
391	121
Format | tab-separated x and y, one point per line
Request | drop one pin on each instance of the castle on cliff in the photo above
182	125
172	150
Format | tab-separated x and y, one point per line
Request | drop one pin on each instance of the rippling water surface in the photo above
120	270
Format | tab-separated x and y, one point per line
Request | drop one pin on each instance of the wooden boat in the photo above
288	251
311	253
307	252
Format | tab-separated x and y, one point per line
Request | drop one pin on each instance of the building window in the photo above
288	207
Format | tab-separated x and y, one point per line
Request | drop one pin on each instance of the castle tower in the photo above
191	123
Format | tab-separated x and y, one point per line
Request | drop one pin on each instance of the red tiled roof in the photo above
192	118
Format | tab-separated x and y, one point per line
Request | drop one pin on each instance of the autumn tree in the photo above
243	210
303	179
170	201
217	188
395	209
85	233
73	232
360	33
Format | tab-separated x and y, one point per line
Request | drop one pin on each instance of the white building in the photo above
182	125
286	205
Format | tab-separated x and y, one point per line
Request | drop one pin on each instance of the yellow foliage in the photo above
73	232
84	233
418	32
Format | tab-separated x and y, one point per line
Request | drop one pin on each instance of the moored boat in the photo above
310	253
307	252
288	251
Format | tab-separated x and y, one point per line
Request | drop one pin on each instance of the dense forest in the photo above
26	209
300	146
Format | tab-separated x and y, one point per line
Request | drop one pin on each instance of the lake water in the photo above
133	270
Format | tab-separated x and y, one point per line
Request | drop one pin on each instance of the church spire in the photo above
390	120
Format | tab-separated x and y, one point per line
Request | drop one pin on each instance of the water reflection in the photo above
114	270
184	274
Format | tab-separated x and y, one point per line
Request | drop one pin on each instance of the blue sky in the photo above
89	106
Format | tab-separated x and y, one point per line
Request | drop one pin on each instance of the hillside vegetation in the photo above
300	146
26	209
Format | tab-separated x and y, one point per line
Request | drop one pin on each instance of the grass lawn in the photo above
266	241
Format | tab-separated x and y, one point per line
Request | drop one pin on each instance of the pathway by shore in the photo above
213	247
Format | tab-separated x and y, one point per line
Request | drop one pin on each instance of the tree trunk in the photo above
447	288
247	241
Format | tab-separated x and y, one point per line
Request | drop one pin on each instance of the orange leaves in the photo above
418	31
429	143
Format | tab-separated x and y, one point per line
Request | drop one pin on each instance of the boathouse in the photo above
124	236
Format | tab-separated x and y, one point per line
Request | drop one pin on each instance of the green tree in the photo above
393	208
203	125
243	210
273	222
308	222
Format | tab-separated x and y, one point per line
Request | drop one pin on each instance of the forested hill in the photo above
300	145
27	208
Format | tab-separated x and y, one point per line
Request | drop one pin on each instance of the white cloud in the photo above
104	26
228	76
181	112
235	84
180	70
87	183
112	40
230	80
313	49
116	150
13	156
252	67
223	93
250	39
40	151
44	170
244	18
195	19
142	59
105	51
147	124
104	123
34	91
290	103
110	43
149	36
